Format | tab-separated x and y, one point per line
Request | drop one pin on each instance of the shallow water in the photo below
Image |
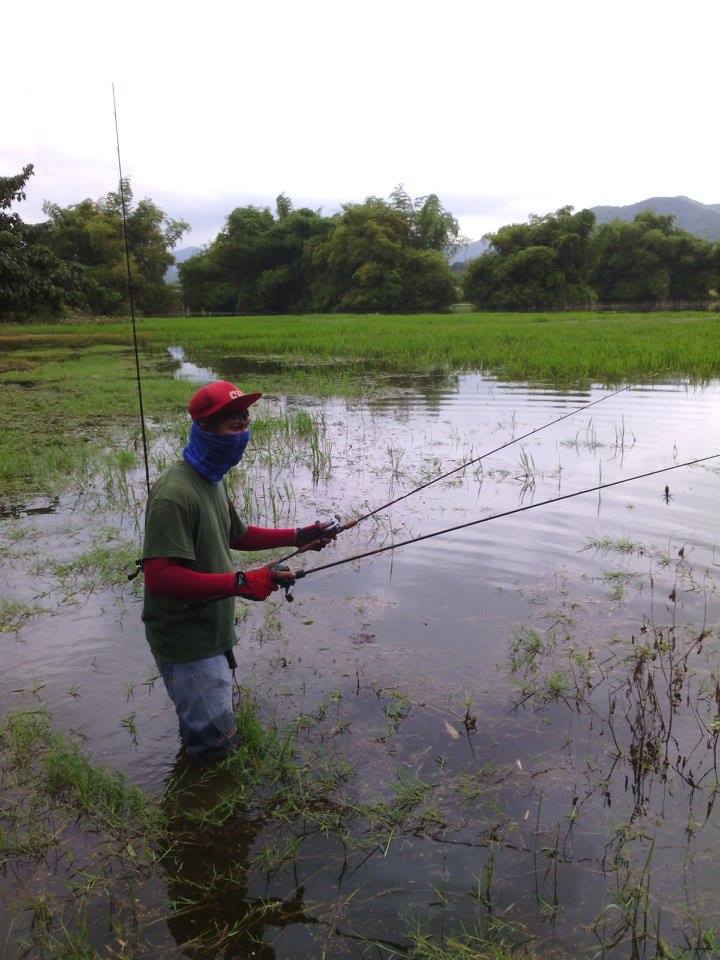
551	809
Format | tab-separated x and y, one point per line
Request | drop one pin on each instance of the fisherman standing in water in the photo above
190	526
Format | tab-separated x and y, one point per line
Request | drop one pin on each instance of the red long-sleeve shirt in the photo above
168	577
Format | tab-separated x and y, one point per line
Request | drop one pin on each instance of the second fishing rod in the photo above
337	526
300	574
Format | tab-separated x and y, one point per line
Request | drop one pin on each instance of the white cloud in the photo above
499	108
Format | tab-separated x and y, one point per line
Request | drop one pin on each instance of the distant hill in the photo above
470	252
184	253
701	219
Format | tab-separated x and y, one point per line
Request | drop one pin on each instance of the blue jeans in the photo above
202	694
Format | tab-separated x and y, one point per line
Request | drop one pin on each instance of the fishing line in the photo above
337	527
130	296
504	446
299	574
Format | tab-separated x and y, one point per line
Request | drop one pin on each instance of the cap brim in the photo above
241	403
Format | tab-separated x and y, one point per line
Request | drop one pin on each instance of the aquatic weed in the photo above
15	614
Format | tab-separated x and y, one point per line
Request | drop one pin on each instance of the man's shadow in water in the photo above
206	871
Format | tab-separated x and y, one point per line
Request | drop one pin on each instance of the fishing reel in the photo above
286	587
335	526
322	528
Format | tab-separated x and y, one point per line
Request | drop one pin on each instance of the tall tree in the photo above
374	260
430	226
376	255
34	281
650	260
542	263
89	234
255	262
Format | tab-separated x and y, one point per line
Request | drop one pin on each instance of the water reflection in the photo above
205	869
186	369
210	868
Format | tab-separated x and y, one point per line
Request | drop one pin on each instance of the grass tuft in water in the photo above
620	545
21	732
14	614
94	791
465	946
102	565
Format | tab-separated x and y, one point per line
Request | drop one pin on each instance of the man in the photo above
190	526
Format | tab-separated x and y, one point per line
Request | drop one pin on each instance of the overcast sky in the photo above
501	108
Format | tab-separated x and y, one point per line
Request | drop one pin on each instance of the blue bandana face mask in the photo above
213	455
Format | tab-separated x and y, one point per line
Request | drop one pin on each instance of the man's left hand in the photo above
314	537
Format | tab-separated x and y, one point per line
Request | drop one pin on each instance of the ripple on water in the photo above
433	622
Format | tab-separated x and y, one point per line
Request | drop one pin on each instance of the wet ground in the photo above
534	697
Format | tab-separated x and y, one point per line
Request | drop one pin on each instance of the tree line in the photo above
74	262
565	259
382	255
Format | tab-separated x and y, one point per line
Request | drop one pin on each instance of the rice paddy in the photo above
565	347
63	384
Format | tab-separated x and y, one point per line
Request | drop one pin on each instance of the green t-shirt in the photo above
189	518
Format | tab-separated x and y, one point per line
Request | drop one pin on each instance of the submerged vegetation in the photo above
200	867
436	766
67	821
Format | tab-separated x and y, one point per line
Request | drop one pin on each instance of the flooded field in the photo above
503	740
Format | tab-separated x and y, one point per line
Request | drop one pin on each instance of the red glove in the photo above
255	584
314	535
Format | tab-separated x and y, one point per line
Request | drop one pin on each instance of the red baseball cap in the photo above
220	396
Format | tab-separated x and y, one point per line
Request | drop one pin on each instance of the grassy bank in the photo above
66	387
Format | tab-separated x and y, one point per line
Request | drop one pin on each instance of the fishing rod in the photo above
130	296
300	574
336	526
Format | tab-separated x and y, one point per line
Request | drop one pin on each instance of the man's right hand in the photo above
259	584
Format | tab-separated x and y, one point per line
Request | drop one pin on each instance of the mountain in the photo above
470	252
184	253
701	219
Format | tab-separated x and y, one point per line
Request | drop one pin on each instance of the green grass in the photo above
69	389
478	945
78	839
565	346
59	769
101	565
94	791
14	614
616	545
